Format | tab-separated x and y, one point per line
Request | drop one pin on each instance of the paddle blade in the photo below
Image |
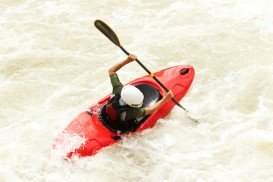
107	31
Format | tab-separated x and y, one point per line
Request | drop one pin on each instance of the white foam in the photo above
53	65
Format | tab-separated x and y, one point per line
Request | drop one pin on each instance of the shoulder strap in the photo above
114	97
114	101
122	112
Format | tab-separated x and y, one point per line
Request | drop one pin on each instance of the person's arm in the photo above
119	65
151	109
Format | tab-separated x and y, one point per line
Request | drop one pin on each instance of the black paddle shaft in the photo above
155	78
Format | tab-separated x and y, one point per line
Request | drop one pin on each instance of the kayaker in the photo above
125	104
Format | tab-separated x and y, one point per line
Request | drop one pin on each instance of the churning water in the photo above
53	65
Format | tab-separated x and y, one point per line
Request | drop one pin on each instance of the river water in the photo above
53	65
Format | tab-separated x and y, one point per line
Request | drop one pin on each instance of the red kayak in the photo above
91	130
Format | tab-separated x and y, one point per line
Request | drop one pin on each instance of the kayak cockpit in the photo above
151	96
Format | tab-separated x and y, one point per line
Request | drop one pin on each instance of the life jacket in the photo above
116	110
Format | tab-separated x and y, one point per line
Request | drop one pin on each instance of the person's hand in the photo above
169	95
131	57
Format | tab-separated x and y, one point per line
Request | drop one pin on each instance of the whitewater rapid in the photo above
53	65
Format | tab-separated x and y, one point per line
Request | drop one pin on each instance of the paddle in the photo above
110	34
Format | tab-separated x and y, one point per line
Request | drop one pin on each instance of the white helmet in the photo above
132	96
